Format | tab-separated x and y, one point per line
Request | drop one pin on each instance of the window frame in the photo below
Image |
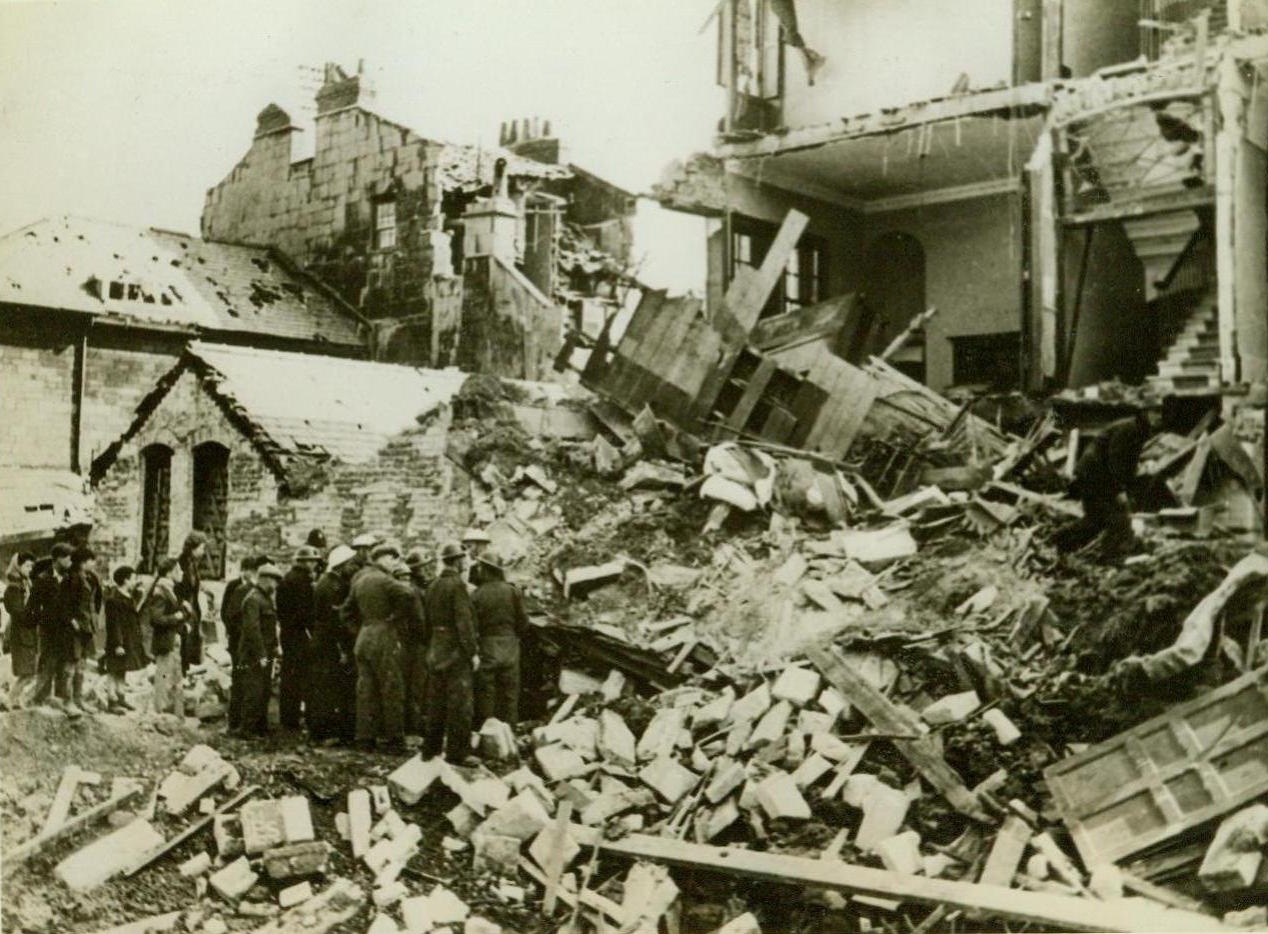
381	231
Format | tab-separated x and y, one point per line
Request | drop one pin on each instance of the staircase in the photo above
1160	240
1191	364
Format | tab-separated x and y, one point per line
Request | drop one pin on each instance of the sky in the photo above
129	110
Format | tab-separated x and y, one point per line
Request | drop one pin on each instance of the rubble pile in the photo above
765	697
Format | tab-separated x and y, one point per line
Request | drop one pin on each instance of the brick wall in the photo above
36	378
120	371
410	491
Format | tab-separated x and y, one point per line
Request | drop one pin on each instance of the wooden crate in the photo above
1199	761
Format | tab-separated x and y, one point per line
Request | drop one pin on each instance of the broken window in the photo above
156	504
802	283
211	502
385	225
751	63
992	360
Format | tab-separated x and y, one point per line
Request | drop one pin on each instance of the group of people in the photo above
368	646
369	650
58	608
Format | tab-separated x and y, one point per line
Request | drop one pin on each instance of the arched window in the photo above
211	502
894	290
156	503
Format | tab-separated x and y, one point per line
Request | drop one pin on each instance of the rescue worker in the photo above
381	607
363	544
23	635
475	542
51	604
257	648
452	661
415	646
124	650
317	539
168	617
231	616
1102	475
87	598
295	623
500	621
332	697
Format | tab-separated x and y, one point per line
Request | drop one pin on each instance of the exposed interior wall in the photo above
973	37
1116	335
410	491
973	271
1097	33
837	226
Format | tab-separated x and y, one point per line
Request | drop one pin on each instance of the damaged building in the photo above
1078	202
459	254
93	314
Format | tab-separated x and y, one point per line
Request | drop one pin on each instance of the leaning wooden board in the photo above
1061	912
885	716
1196	762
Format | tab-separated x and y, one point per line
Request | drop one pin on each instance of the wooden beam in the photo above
555	856
25	851
886	717
1189	199
198	825
60	808
1062	912
752	393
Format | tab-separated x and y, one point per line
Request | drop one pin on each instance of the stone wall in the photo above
321	210
509	327
410	491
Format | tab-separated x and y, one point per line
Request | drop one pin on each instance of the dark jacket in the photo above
258	638
500	621
87	598
53	605
378	597
332	640
190	587
295	609
450	623
123	631
1109	463
24	633
165	615
231	609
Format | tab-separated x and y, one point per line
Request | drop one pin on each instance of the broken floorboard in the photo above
921	753
1061	912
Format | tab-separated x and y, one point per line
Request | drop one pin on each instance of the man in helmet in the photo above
382	607
476	542
452	660
295	624
331	713
417	565
500	624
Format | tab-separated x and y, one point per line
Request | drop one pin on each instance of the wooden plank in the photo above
752	393
1194	763
36	844
743	303
778	426
887	718
555	856
197	826
840	421
62	800
1006	853
1062	912
589	899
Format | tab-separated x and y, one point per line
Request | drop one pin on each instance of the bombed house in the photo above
459	255
1078	201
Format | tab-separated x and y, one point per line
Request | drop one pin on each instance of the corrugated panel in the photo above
1195	763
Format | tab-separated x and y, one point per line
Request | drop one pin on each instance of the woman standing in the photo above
169	618
24	630
189	589
124	650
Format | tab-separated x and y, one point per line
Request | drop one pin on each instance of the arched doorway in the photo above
894	293
211	502
156	504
